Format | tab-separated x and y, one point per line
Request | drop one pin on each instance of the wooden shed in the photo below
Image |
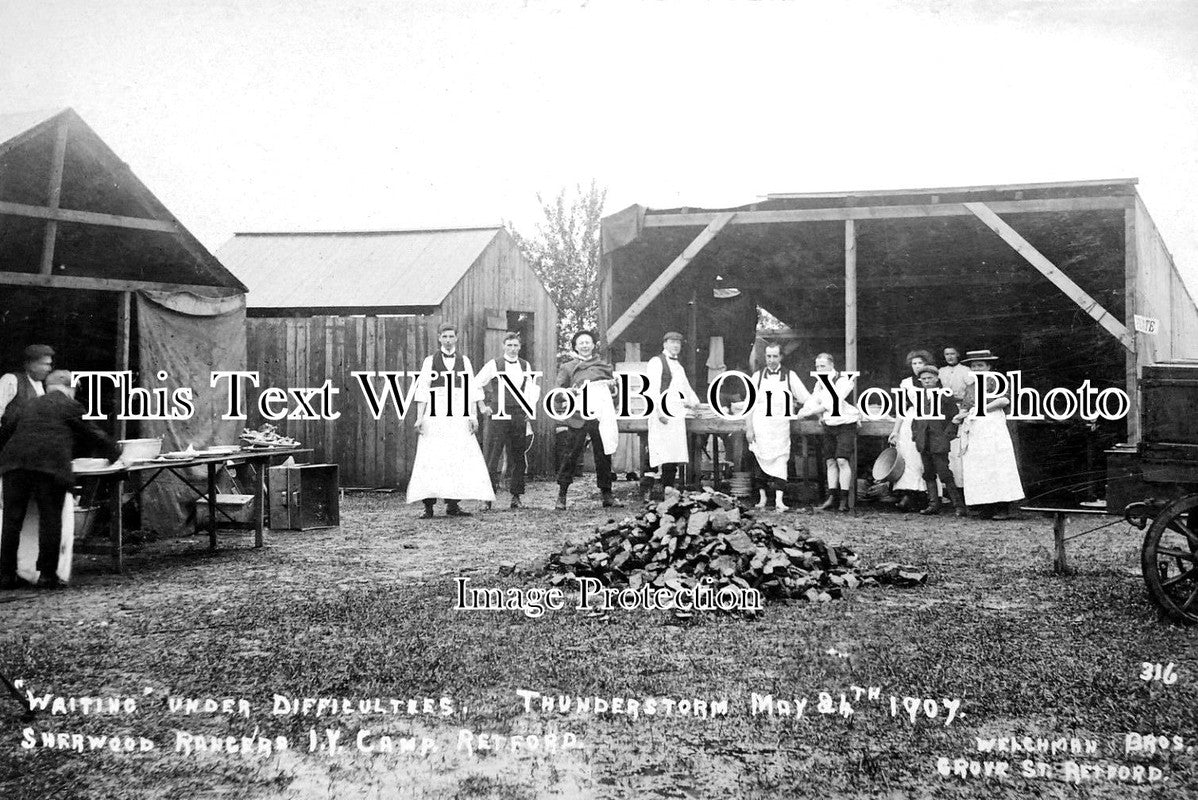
93	264
1064	281
80	238
323	305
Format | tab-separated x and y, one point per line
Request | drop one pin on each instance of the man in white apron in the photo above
667	424
449	464
767	425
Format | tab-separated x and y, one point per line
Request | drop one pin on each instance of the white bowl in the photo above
134	450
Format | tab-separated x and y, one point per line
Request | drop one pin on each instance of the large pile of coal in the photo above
710	536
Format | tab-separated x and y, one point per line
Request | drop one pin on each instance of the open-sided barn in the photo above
323	305
94	265
1066	282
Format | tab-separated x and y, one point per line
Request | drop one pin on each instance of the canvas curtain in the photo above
189	337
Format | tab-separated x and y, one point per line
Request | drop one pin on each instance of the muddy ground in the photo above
365	611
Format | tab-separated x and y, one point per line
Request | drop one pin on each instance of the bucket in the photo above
888	466
85	521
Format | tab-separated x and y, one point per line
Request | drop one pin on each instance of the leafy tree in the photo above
564	253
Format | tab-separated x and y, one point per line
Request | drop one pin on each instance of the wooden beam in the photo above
888	212
942	190
668	274
153	206
107	285
1059	279
87	217
850	295
1131	268
54	193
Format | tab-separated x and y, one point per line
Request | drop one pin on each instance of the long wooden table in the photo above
117	476
704	427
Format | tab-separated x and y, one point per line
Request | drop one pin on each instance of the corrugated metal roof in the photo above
353	269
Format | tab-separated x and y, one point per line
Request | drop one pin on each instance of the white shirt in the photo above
490	372
8	388
821	399
425	381
959	378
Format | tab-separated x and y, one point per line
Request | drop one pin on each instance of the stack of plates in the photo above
741	484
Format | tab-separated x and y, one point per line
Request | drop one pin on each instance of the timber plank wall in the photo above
304	351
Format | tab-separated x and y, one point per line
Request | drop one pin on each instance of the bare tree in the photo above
564	253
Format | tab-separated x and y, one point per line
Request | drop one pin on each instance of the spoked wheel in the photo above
1169	559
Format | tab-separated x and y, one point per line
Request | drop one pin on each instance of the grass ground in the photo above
366	611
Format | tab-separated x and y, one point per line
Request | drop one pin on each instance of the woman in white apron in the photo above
988	462
667	432
910	485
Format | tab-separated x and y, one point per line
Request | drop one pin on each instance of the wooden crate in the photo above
304	496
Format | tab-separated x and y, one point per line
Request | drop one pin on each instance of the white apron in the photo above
912	478
449	463
667	440
988	460
771	440
600	404
28	545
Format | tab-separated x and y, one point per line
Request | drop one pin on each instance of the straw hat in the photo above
978	355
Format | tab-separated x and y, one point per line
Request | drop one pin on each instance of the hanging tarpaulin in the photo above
188	337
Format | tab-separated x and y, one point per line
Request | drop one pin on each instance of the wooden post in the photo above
122	347
259	468
850	333
1059	565
850	295
117	524
54	195
1131	369
212	505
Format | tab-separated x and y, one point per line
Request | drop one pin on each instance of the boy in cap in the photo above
933	439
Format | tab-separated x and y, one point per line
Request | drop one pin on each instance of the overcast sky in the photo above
336	114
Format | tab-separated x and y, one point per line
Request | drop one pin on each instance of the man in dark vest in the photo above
18	388
507	434
36	448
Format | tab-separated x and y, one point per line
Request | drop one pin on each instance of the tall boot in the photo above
844	500
958	498
561	497
778	504
610	501
933	504
830	503
761	502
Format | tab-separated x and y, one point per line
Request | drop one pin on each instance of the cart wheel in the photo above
1169	559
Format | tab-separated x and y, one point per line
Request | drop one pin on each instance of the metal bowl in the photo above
888	466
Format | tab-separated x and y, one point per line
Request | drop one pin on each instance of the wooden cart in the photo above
1164	473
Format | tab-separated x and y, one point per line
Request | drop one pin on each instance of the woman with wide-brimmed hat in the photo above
988	462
